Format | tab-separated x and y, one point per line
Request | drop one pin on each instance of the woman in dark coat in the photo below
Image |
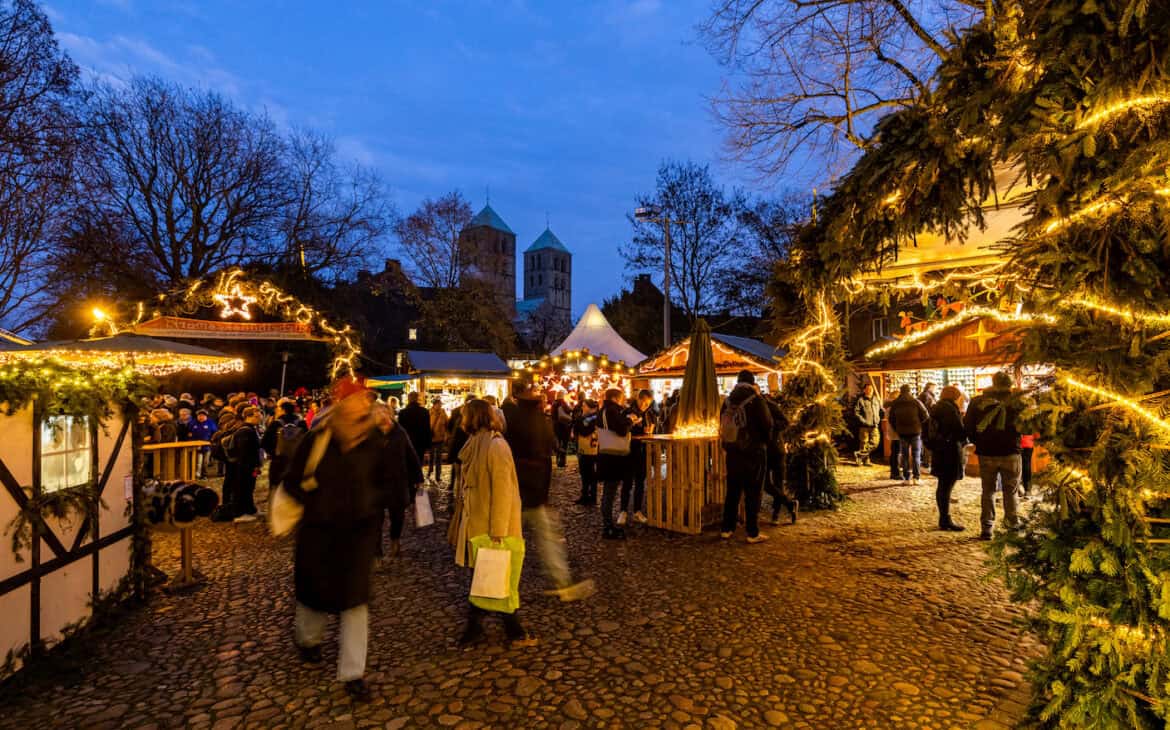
404	475
946	447
612	469
339	474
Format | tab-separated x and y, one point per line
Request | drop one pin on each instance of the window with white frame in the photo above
881	328
66	453
412	334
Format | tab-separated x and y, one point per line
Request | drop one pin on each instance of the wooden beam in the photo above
21	579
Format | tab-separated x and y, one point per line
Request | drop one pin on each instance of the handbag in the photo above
511	547
424	516
285	512
609	442
493	573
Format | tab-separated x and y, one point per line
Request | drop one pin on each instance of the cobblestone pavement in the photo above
860	618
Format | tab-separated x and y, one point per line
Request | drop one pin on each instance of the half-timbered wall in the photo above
52	588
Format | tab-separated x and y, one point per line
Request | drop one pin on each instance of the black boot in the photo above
474	631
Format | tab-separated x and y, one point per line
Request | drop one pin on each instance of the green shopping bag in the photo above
514	545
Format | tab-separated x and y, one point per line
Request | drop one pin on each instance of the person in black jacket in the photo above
415	419
245	447
776	483
991	423
339	475
533	443
281	448
585	429
402	481
746	455
946	446
612	468
908	418
635	483
456	438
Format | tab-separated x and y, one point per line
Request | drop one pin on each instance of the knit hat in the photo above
348	386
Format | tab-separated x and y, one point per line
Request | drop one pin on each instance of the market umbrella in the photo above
145	354
698	401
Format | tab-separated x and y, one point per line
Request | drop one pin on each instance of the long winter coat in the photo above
530	435
339	532
404	470
946	454
416	421
491	494
439	421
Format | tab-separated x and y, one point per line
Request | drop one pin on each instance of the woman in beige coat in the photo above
490	505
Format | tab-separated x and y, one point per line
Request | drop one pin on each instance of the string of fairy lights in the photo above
234	294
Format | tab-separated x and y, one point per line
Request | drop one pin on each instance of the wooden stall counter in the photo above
686	482
175	460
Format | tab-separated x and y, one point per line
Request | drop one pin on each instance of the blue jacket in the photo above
202	431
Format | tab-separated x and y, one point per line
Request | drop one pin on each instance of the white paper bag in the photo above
285	513
493	568
423	515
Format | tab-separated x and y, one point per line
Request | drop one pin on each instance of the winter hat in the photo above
346	387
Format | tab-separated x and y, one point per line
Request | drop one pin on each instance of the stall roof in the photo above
756	348
462	363
731	354
595	334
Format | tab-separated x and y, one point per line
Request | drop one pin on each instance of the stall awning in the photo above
732	354
483	364
975	342
203	329
595	334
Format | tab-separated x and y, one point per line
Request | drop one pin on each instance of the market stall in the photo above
592	359
965	349
450	376
663	372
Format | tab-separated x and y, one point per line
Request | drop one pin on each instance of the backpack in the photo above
289	437
217	451
931	436
232	445
733	421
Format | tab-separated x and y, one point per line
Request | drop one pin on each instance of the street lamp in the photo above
284	356
653	214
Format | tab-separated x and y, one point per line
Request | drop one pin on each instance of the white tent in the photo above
594	333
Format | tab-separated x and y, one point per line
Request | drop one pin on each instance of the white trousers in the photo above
352	638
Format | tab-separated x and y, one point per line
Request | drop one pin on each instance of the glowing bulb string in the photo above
967	315
1118	400
1120	107
1131	315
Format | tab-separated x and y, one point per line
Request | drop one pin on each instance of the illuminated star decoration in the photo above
981	336
234	302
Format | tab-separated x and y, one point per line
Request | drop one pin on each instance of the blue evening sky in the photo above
564	108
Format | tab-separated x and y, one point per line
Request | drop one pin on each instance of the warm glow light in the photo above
99	315
967	315
156	364
1120	401
1120	107
1151	318
1101	207
702	429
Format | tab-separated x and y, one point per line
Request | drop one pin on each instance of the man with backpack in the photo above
991	423
281	439
745	425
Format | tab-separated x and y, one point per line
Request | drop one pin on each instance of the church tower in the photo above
548	273
491	248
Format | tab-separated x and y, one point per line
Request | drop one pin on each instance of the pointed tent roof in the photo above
491	219
547	240
594	333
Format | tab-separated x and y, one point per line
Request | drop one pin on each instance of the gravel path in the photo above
861	618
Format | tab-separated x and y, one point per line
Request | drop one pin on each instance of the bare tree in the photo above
811	77
37	144
199	183
337	216
429	238
769	227
545	327
704	228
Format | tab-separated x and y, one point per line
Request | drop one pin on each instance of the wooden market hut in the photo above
663	372
450	376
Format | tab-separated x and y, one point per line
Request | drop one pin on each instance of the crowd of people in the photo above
348	462
940	426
